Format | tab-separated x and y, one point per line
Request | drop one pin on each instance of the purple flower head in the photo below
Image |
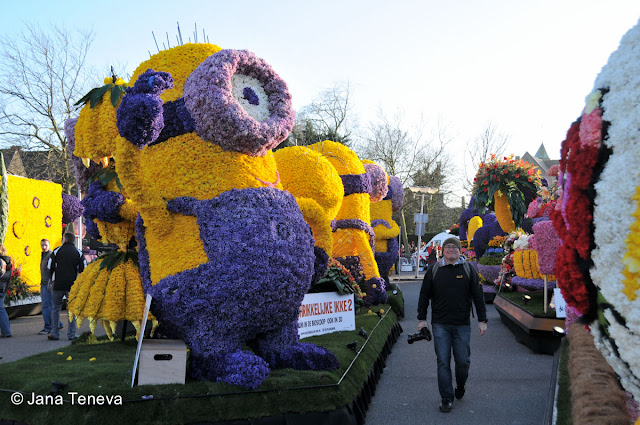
140	116
378	179
397	193
102	204
82	173
250	121
71	208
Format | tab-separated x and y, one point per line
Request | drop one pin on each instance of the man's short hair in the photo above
45	240
69	237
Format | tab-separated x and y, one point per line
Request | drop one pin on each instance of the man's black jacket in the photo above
450	295
65	264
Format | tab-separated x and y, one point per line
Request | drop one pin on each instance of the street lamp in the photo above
421	191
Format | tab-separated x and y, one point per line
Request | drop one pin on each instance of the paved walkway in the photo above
508	384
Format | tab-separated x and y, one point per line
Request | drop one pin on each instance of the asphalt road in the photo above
508	383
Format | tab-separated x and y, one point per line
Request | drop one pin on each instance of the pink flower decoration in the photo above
591	128
547	243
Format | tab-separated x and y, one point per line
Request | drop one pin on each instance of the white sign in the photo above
561	305
326	312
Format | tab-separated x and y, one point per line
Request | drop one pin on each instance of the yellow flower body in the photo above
312	179
350	242
35	212
153	175
307	174
96	129
526	264
109	296
474	224
179	61
631	258
503	212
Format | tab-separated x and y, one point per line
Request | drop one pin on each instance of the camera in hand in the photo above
424	333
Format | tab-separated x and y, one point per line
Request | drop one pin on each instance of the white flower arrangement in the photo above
240	83
522	242
614	207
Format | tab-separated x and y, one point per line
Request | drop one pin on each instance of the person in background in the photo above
451	289
45	291
5	277
65	263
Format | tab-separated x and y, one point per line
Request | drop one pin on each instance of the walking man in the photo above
451	285
45	290
65	263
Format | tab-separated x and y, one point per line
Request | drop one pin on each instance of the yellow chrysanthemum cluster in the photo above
96	128
631	259
35	213
350	242
184	166
108	296
474	224
503	212
383	210
179	61
317	187
526	264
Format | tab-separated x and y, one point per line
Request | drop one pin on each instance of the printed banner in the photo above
324	313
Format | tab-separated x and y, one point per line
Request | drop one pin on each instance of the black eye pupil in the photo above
250	96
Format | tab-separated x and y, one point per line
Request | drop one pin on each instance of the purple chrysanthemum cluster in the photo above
261	259
218	116
490	273
102	204
140	115
356	183
490	229
386	260
396	192
531	284
71	208
378	179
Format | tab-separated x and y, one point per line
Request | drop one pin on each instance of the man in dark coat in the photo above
451	285
65	263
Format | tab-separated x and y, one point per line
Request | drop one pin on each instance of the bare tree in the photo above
491	140
328	117
405	152
42	74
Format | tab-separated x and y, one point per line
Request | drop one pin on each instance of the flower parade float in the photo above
353	237
229	240
30	210
598	211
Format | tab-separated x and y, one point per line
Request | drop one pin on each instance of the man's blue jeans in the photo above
47	306
56	297
448	338
5	328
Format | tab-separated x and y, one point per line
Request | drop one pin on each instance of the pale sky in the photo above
524	66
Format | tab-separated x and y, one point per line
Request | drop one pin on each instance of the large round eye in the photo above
251	96
238	102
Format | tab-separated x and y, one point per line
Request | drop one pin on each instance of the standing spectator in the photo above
5	277
65	263
45	291
451	288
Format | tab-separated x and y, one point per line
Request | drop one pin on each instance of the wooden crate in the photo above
162	361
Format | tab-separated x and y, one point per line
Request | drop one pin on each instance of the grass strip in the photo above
535	306
563	403
286	390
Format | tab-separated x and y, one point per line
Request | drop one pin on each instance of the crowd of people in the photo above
58	271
